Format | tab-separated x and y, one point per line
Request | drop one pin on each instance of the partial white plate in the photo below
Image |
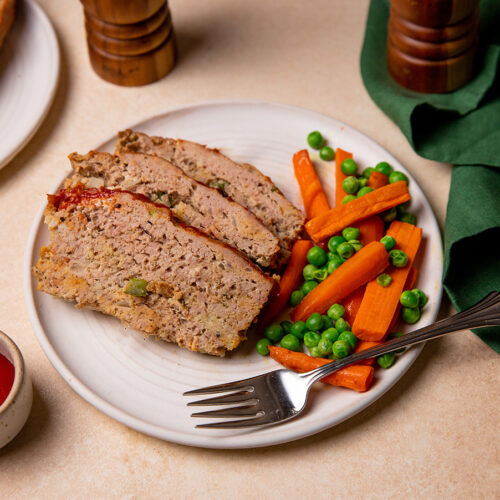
29	71
140	382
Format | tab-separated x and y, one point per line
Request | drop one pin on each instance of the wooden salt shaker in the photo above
130	42
431	44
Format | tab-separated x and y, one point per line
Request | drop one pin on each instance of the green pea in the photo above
308	271
350	338
349	167
273	332
410	314
309	286
350	184
315	140
334	264
334	242
336	311
325	346
397	176
364	190
315	352
384	279
384	167
136	287
345	250
347	198
326	153
296	297
316	256
422	298
331	334
286	326
363	181
356	244
341	349
386	360
389	215
388	241
396	335
320	274
311	339
398	258
262	346
298	329
403	208
351	233
408	218
367	172
314	322
408	299
341	325
291	342
327	322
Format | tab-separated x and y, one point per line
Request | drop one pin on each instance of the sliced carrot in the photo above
410	283
363	266
371	229
334	220
340	156
357	377
351	304
377	180
380	303
289	281
363	345
313	196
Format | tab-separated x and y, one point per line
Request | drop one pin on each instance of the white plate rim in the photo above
53	83
159	431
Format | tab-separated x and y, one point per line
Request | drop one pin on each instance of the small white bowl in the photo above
15	409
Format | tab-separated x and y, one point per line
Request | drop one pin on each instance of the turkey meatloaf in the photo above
191	202
242	182
121	254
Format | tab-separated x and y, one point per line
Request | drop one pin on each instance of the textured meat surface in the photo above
191	202
242	182
200	293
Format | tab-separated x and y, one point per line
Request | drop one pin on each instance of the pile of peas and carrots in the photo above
330	335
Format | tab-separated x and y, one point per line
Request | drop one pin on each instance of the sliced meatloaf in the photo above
121	254
191	202
242	182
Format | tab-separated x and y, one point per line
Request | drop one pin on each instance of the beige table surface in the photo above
434	435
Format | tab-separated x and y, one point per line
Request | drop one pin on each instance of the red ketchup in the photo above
6	378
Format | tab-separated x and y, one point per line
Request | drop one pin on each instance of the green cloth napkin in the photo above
462	128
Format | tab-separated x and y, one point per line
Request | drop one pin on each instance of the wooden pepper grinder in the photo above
130	42
431	44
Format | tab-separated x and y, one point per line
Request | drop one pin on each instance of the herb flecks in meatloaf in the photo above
201	294
190	201
242	182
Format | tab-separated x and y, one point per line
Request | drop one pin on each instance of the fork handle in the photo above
484	313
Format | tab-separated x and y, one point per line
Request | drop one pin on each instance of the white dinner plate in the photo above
140	382
29	71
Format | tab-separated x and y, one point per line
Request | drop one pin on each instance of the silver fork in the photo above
281	395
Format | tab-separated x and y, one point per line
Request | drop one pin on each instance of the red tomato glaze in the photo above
6	378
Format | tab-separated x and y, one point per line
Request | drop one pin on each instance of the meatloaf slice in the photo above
121	254
242	182
191	202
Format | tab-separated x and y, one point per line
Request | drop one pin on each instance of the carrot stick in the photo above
371	229
410	283
289	281
380	303
351	304
313	196
334	220
377	180
340	156
363	266
363	345
357	377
